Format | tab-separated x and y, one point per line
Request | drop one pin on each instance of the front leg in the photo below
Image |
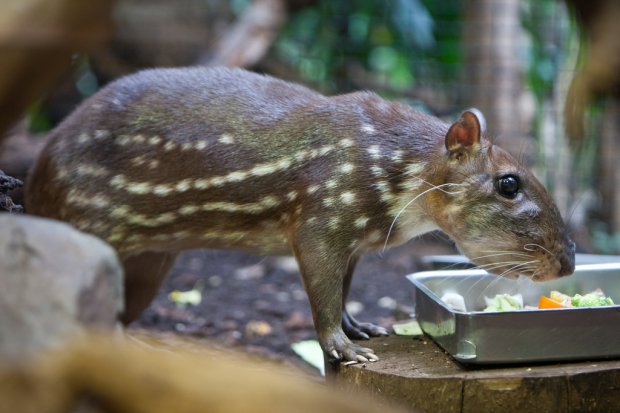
323	268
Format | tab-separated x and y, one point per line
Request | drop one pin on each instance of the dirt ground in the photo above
258	304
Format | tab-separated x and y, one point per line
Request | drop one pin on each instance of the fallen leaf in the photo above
411	328
257	328
310	351
183	298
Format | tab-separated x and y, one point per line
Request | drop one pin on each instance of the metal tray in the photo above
477	337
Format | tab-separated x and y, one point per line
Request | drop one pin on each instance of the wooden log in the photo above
416	373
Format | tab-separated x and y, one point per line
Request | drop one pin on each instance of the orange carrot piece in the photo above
545	302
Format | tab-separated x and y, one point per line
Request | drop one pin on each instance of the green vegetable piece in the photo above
591	300
505	302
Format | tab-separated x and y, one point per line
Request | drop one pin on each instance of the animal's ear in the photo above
464	134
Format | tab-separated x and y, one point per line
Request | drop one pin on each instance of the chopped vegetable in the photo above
504	302
594	299
455	301
563	299
545	303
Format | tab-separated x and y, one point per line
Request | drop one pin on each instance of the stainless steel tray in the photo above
477	337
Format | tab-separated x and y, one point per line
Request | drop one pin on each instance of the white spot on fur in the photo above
154	140
377	170
203	183
189	209
291	196
169	145
91	170
118	181
331	184
333	223
374	151
325	150
397	155
414	168
200	145
183	185
411	185
361	222
347	197
236	176
217	181
347	168
346	143
83	138
162	190
87	200
122	140
138	160
226	139
121	211
312	189
101	134
387	197
181	234
263	169
139	188
367	128
252	208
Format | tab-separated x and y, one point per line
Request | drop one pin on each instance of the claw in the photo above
350	362
362	359
383	332
335	354
372	357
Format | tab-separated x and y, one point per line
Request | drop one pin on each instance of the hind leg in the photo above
144	274
353	328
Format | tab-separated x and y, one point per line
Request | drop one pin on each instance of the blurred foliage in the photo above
545	52
85	83
400	43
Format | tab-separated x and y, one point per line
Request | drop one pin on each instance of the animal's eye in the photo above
508	186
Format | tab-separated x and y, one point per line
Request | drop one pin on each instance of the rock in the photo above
56	282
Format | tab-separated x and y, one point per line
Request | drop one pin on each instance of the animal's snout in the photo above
567	260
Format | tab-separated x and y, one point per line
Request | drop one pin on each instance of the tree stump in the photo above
416	373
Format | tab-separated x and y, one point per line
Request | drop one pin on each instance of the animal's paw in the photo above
339	347
357	330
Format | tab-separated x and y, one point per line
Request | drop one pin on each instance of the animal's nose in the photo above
567	260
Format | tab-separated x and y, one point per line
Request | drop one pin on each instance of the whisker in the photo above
498	264
505	252
499	254
528	247
516	268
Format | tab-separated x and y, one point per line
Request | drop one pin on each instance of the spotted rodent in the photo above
171	159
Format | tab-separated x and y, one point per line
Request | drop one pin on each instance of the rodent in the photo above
169	159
